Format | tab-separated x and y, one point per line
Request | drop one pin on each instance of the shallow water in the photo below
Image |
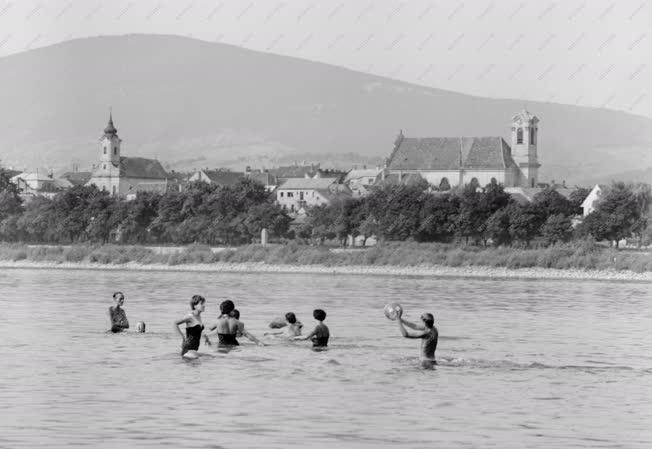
554	364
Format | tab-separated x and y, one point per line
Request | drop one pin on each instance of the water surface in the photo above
554	364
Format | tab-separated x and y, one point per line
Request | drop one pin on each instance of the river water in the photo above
554	364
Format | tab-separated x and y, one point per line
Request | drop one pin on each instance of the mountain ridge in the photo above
181	99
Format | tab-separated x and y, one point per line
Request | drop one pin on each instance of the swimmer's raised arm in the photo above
415	326
408	334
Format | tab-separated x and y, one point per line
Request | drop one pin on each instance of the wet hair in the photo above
115	295
235	313
195	300
226	307
291	317
319	314
428	319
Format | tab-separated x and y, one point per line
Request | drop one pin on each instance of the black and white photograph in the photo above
326	224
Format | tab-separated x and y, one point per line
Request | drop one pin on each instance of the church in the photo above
446	162
125	176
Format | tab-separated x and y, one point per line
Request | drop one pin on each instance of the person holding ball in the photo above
427	332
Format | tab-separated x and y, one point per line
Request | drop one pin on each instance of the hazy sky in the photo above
586	52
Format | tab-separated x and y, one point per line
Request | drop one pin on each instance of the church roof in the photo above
140	167
307	183
451	153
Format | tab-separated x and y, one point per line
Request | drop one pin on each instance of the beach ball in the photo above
392	310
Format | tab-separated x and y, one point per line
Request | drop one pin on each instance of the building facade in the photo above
299	193
125	176
446	162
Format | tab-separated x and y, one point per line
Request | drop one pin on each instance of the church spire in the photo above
110	130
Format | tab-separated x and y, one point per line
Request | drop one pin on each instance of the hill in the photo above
192	104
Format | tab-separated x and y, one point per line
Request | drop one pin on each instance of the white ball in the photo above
392	310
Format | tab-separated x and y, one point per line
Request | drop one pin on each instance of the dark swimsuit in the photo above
193	337
319	342
227	340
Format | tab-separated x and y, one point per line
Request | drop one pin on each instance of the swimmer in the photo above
117	315
241	332
320	334
226	326
291	329
194	327
428	335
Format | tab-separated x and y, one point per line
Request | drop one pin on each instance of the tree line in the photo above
205	213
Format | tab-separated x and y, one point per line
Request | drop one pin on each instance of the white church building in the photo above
452	161
125	176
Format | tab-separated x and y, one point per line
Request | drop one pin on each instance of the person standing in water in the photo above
241	332
320	334
427	332
117	315
226	326
194	326
292	328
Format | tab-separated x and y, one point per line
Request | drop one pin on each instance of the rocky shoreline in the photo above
427	271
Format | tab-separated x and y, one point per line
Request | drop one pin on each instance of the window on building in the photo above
282	193
292	207
115	150
444	184
104	149
313	194
532	132
104	166
290	195
113	189
300	196
519	135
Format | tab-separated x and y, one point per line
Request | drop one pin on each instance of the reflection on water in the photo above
552	364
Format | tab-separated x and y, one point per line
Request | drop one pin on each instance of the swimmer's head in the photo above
198	302
428	319
319	314
119	298
227	307
290	318
235	313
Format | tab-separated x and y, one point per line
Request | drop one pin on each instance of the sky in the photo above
582	52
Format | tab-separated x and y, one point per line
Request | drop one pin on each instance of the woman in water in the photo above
226	326
194	327
117	315
320	334
291	329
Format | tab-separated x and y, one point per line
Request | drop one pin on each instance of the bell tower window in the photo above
115	150
104	149
519	135
532	136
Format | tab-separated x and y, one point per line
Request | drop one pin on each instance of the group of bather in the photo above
229	328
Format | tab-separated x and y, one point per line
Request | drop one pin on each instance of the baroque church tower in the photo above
525	133
110	144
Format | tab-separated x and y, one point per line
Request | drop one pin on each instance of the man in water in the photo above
117	314
427	333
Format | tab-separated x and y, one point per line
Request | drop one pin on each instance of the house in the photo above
447	162
592	199
77	178
525	195
220	177
39	182
297	193
361	180
120	175
263	177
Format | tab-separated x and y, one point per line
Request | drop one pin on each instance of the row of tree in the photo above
482	215
231	215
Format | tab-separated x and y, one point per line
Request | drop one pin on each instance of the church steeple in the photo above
110	143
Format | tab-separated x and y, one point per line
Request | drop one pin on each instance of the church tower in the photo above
525	133
110	144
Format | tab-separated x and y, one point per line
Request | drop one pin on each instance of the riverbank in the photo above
585	261
427	271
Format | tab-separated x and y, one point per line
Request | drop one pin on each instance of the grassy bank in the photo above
583	256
